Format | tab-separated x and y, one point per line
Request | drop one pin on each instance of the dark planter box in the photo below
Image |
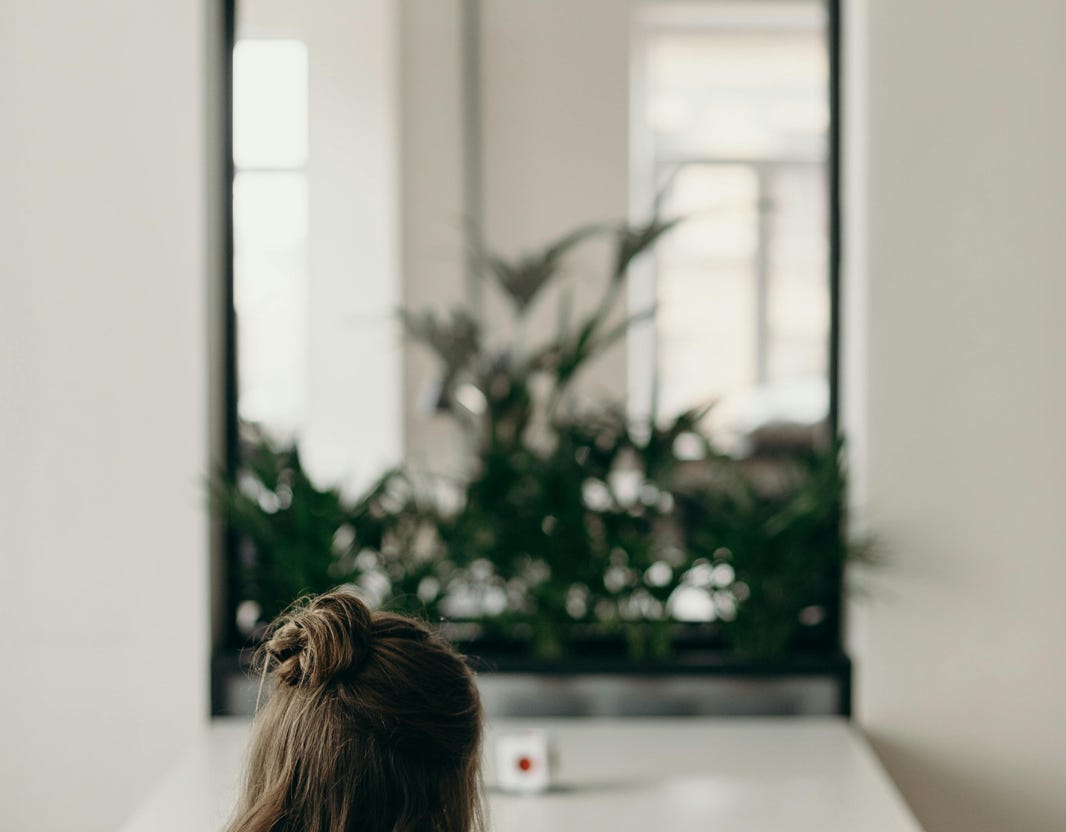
599	678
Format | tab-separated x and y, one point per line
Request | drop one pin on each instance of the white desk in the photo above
747	775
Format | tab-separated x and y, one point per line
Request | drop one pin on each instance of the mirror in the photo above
374	140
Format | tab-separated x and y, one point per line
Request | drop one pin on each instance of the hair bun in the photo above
313	643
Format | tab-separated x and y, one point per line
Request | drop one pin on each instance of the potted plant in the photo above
572	526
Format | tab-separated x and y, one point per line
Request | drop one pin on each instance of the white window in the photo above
730	126
270	230
316	245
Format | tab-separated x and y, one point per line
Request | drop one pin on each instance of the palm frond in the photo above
455	340
522	280
632	241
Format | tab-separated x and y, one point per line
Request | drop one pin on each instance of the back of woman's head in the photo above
373	724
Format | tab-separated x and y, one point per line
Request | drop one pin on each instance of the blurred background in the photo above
535	317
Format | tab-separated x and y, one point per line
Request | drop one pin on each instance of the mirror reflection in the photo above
374	153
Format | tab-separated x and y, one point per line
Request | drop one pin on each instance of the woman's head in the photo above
373	724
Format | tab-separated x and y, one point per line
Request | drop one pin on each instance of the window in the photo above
731	125
316	254
270	229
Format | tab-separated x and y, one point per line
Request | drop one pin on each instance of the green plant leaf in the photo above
522	280
632	241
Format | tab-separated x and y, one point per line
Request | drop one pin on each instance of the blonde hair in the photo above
373	724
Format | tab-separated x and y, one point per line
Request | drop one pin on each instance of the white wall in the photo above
551	121
434	200
962	682
555	123
353	433
103	418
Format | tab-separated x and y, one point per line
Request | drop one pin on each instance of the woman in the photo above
373	724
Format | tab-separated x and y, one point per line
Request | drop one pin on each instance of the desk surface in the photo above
756	775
